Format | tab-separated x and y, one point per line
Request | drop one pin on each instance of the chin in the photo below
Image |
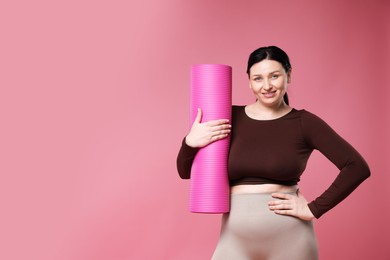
270	103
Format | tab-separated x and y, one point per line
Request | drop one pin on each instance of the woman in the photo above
270	145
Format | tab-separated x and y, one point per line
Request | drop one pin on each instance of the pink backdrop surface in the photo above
94	101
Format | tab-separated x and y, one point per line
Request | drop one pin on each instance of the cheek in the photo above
255	87
282	84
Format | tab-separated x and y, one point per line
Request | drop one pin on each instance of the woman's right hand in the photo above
202	134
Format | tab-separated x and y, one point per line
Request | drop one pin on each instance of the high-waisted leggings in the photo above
250	231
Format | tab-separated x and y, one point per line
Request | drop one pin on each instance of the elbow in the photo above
364	169
184	170
367	171
184	175
360	169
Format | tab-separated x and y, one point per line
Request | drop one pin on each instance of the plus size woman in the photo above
270	144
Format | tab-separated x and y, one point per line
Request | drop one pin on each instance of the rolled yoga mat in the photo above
211	90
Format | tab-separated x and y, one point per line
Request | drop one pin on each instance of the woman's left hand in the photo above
291	205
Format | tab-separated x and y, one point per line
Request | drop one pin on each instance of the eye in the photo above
275	76
257	79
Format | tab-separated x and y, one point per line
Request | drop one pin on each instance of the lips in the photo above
269	94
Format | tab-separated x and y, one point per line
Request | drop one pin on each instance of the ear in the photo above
289	76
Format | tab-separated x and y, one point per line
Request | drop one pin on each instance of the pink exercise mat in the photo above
211	90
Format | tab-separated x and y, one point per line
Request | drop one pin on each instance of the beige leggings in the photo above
253	232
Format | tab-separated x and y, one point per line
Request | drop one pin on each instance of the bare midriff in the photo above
262	188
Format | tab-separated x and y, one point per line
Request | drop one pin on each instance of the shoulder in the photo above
314	126
237	112
309	117
237	109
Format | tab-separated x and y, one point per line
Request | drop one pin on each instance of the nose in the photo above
266	84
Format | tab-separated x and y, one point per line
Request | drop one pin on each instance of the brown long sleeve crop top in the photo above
276	151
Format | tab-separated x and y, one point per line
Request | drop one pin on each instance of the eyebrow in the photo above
269	73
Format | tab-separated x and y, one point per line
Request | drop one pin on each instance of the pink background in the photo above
94	102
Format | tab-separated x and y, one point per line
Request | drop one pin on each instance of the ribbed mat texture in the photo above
211	90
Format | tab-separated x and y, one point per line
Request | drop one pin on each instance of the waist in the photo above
262	188
261	180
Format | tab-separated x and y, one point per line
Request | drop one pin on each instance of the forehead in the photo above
265	67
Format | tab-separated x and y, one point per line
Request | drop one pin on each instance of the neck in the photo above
259	111
277	108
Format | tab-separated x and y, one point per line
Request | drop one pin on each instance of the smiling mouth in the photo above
269	94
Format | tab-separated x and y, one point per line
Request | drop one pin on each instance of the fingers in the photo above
218	129
284	212
291	205
280	204
212	123
285	204
198	118
201	135
221	132
217	122
283	196
218	136
221	129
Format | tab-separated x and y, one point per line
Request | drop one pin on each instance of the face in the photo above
268	81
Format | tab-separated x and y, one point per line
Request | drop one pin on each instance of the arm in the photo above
353	168
184	159
201	134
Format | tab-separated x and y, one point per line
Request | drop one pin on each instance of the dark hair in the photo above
270	53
